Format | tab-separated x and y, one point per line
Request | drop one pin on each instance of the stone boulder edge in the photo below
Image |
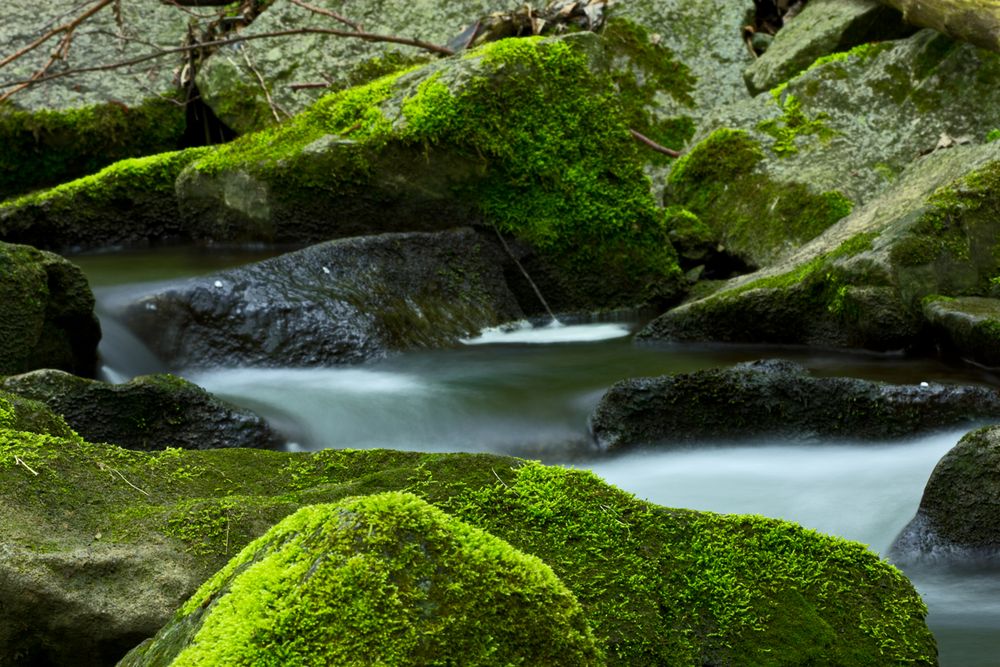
966	326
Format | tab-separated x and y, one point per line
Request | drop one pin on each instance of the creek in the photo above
528	392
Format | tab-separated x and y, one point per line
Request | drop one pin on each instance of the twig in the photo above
69	26
104	466
643	139
326	12
498	477
263	86
18	459
308	85
524	272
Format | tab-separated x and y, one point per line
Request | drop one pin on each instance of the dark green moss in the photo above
992	135
44	148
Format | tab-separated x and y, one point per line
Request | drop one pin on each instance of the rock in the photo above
776	397
860	283
385	576
46	313
21	414
958	521
104	544
966	326
338	302
77	124
149	412
132	202
770	174
821	28
526	135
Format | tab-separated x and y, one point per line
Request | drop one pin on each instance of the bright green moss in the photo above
861	53
43	148
992	135
21	414
792	124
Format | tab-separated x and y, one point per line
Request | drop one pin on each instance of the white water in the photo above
555	332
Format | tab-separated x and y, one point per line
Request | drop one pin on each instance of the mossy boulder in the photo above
343	301
149	412
758	399
967	326
132	202
526	135
102	546
75	125
46	313
861	283
958	521
771	173
18	413
388	577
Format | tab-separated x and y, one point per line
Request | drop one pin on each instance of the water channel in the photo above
528	392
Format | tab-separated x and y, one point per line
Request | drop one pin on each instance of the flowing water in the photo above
528	391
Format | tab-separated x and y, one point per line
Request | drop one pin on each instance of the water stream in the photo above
528	392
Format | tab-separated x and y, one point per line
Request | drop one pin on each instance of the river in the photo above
528	392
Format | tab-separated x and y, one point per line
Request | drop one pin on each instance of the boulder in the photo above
861	283
22	414
46	313
958	521
387	576
968	327
776	397
77	124
149	412
338	302
772	173
102	546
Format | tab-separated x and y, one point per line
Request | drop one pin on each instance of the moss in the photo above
718	181
992	135
21	414
792	124
861	53
43	148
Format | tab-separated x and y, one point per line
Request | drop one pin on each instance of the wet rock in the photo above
430	585
148	413
338	302
46	313
958	521
968	327
775	397
22	414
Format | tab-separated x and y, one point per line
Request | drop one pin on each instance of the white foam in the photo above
556	332
295	380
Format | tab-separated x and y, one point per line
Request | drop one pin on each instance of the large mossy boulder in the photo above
343	301
774	397
528	135
771	173
388	577
46	313
103	545
76	124
861	283
149	412
958	521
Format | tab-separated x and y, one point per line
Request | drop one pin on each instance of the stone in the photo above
46	313
149	412
777	398
968	327
339	302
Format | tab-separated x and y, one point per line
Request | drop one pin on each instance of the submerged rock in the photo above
958	521
776	397
102	546
338	302
149	412
385	576
46	313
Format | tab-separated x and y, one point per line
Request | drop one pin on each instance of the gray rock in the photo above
966	326
775	397
338	302
821	28
46	313
150	412
958	521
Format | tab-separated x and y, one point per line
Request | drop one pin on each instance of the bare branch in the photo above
643	139
326	12
67	27
263	86
308	85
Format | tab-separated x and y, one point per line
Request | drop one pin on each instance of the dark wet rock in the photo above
958	521
46	313
776	397
968	327
150	412
338	302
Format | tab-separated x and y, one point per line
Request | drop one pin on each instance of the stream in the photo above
529	391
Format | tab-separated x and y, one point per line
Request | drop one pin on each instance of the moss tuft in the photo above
792	124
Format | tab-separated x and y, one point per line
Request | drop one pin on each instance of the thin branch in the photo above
263	86
18	459
643	139
326	12
69	26
308	85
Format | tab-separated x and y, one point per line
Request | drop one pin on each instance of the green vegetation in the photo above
993	135
44	148
792	124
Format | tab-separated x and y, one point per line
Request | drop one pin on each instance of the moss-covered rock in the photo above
775	397
18	413
149	412
102	546
132	202
958	521
388	577
968	327
528	135
46	313
861	283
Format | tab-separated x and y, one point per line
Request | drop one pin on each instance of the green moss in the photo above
992	135
43	148
860	53
792	124
21	414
